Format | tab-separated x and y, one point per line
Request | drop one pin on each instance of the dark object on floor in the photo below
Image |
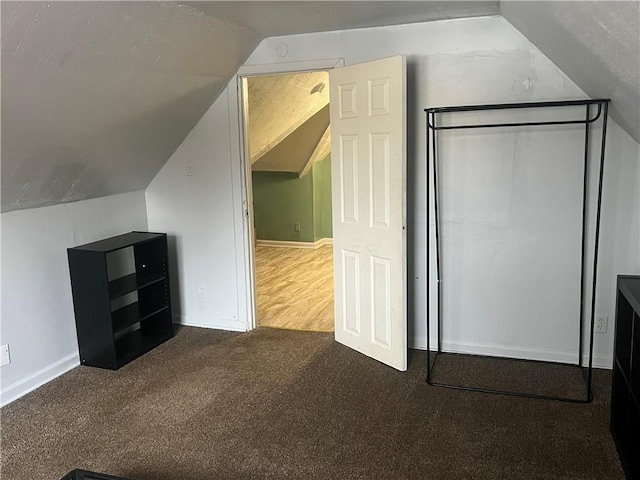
276	404
86	475
625	390
118	319
432	153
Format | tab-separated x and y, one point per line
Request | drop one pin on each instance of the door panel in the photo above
368	112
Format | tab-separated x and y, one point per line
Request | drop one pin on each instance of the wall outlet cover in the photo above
5	358
602	322
202	292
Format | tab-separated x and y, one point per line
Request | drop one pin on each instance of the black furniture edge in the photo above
118	242
87	475
625	383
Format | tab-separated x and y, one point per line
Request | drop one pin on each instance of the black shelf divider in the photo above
132	282
131	314
137	343
589	118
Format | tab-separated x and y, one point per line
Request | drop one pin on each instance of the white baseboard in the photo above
217	324
20	388
599	361
44	375
286	244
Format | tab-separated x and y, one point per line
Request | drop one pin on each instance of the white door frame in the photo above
237	111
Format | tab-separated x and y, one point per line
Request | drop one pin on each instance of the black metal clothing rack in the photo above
601	109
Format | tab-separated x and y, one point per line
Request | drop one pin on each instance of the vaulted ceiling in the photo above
96	96
288	121
278	105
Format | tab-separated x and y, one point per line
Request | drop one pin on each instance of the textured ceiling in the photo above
271	18
96	96
288	121
597	44
279	104
293	154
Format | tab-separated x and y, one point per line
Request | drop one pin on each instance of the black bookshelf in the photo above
625	389
118	319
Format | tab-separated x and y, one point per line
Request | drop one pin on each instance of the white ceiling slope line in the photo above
596	43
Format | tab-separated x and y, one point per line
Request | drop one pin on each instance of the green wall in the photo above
321	172
280	200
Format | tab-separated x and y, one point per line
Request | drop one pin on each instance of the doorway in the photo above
287	151
368	202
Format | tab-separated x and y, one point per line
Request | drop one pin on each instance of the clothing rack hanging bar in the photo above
518	124
512	106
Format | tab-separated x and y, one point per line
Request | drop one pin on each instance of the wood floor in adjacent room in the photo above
294	288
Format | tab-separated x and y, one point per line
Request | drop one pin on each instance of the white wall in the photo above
37	307
511	229
620	228
469	61
199	213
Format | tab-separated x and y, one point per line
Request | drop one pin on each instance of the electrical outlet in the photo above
202	292
296	227
190	170
602	322
5	359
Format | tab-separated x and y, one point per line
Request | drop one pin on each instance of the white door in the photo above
368	150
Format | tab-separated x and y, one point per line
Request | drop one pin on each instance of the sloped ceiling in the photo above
96	96
597	44
295	151
288	121
272	18
280	104
320	152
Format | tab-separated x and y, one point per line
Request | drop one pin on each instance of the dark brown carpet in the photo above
510	375
280	404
